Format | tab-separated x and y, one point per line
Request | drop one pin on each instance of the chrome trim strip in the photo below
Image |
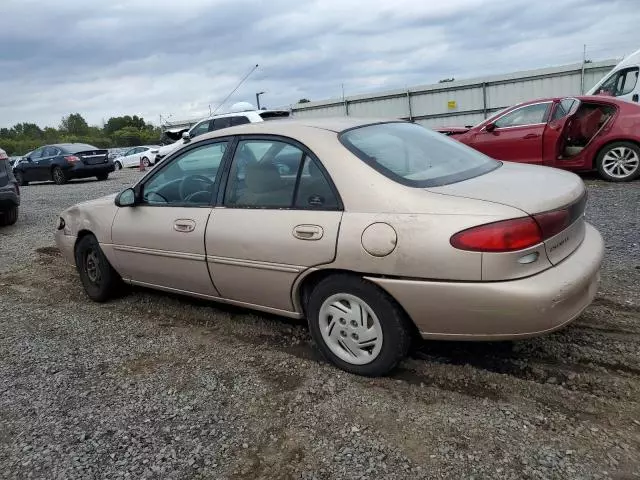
275	311
160	253
237	262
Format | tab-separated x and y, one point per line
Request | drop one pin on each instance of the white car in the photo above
132	157
224	120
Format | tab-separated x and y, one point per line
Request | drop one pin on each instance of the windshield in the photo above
413	155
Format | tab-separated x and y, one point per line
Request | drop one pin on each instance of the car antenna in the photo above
234	90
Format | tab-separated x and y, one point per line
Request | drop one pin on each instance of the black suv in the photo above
9	192
62	162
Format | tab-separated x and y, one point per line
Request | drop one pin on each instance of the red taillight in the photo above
504	236
3	156
71	159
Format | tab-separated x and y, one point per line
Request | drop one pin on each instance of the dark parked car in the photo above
9	192
62	162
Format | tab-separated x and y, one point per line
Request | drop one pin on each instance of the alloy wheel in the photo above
621	162
350	328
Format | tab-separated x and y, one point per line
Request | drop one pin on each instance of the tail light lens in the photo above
4	156
72	159
504	236
519	233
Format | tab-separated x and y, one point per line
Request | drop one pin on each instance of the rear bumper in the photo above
506	310
85	171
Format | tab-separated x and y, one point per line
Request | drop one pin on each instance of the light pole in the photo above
258	99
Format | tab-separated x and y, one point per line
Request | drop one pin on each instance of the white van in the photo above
622	81
237	116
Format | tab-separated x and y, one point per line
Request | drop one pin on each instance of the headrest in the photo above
262	177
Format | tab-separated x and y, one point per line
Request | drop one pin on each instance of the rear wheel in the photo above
146	162
9	216
118	165
619	162
358	326
20	178
99	279
102	176
58	176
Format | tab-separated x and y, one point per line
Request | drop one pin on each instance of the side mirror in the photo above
186	137
126	198
490	127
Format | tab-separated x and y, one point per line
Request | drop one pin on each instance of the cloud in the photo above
106	58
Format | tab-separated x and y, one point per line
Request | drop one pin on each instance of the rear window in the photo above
80	147
273	115
415	156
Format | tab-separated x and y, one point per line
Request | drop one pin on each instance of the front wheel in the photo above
102	176
20	178
118	165
619	162
358	326
58	176
9	216
146	162
99	279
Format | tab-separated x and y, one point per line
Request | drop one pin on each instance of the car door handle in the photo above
184	225
531	136
308	232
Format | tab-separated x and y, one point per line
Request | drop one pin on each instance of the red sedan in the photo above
573	133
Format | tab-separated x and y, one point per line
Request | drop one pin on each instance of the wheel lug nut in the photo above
343	321
354	323
354	336
343	333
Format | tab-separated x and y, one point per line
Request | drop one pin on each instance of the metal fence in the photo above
465	102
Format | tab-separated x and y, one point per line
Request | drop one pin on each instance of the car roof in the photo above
283	126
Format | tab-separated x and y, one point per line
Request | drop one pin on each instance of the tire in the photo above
118	165
619	162
9	216
58	176
20	178
102	177
339	343
100	281
146	162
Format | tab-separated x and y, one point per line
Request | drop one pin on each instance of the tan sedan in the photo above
373	231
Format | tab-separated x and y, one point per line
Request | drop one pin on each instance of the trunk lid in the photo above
533	190
93	157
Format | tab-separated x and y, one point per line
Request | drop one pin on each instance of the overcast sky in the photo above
105	58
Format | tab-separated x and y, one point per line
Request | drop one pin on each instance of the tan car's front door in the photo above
159	242
263	238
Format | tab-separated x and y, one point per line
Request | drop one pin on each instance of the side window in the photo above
223	122
628	81
49	152
188	179
621	82
241	120
200	128
263	174
314	190
527	115
563	108
36	154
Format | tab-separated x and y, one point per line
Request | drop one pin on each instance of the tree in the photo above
118	123
74	124
304	100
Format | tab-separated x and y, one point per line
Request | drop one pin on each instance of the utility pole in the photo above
584	61
258	99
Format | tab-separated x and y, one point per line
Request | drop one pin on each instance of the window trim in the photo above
139	187
624	72
290	141
545	118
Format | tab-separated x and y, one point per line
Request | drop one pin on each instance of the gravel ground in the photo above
158	386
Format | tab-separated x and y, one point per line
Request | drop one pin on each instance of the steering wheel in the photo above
193	184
